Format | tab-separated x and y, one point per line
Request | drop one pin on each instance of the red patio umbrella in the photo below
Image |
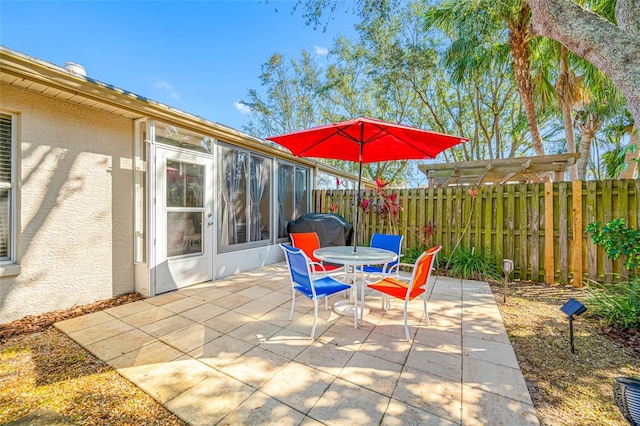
366	140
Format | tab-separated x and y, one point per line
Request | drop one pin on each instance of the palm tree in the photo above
475	20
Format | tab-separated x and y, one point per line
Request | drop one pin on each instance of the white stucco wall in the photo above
76	206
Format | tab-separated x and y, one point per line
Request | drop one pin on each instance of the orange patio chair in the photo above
391	286
308	242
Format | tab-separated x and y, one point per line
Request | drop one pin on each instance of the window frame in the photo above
9	265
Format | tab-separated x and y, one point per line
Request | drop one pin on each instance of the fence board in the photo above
549	247
534	258
563	239
592	249
576	235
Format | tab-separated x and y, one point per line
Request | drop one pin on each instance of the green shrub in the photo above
469	264
618	305
410	255
617	240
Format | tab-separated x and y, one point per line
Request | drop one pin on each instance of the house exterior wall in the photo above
75	205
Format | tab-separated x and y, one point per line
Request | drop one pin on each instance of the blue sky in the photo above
201	57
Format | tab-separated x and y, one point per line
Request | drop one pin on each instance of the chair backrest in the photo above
307	242
299	269
388	242
423	267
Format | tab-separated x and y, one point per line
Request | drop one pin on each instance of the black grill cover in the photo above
332	229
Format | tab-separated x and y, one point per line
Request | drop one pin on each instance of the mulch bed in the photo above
34	323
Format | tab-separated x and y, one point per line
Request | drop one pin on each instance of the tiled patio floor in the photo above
224	352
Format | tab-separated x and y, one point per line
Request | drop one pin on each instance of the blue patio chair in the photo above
304	282
388	242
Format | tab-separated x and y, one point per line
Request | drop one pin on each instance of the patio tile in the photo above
221	351
345	335
255	366
203	312
278	298
489	350
298	386
154	352
232	301
304	323
427	336
256	308
255	332
440	360
140	319
183	305
495	378
386	347
102	331
166	325
210	400
213	294
129	309
347	404
486	328
190	338
326	357
373	373
437	395
165	298
255	292
286	343
278	316
398	414
78	323
487	408
227	321
164	381
260	409
120	344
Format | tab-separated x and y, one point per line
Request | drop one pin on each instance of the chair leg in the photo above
426	311
326	303
293	303
406	326
315	317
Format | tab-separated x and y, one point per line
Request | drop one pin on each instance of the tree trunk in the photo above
632	166
588	130
520	50
565	86
612	49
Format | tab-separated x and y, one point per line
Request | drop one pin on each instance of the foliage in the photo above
617	240
469	264
618	305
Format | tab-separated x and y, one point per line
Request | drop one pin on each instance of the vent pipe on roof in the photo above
74	68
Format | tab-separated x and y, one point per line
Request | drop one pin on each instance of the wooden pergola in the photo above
500	171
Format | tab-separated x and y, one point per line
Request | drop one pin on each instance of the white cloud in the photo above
321	51
244	109
166	87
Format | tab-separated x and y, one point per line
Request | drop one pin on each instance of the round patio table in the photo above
345	255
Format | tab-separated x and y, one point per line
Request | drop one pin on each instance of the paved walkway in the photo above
224	352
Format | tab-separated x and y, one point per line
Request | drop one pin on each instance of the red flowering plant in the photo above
390	205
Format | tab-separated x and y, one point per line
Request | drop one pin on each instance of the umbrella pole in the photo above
355	234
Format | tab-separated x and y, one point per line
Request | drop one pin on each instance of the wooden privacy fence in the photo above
538	226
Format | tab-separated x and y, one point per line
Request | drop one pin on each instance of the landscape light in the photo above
507	268
572	308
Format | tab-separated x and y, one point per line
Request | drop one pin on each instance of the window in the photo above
245	198
7	188
293	195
